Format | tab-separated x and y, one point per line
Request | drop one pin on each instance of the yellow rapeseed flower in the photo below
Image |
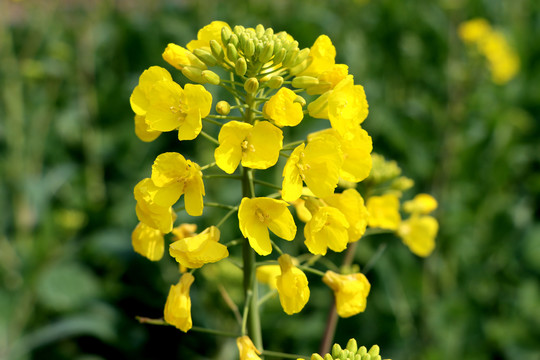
351	204
176	176
157	216
323	55
204	248
267	274
178	306
282	109
418	233
211	31
474	30
351	292
179	57
384	211
170	107
345	106
141	93
420	204
356	146
292	285
328	228
143	131
148	242
316	164
255	146
247	350
257	215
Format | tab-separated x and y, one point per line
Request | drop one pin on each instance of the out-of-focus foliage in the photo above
71	284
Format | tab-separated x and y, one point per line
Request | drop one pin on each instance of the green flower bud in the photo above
352	346
402	183
240	67
234	40
374	351
275	82
300	100
278	45
258	49
238	30
232	54
211	77
225	35
344	355
194	74
205	57
249	49
297	69
259	30
251	85
217	50
328	357
336	349
366	357
302	82
267	52
223	107
302	55
291	57
269	32
243	38
357	357
362	351
316	357
278	58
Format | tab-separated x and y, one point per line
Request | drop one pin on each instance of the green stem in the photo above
207	119
281	355
209	137
311	270
223	206
227	215
374	258
145	320
222	176
267	184
208	166
267	297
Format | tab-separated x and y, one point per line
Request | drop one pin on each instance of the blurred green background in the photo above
70	283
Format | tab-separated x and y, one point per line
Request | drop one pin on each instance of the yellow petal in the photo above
263	143
282	109
177	310
148	242
384	212
418	233
139	97
143	131
194	252
229	152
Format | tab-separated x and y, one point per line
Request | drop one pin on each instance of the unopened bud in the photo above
211	77
352	346
300	100
240	67
402	183
302	82
362	351
357	357
302	55
297	69
328	357
291	57
267	52
259	30
233	40
243	39
249	49
217	50
336	350
269	32
280	55
225	34
374	351
251	85
194	74
232	54
205	57
277	46
344	354
223	107
275	82
366	357
238	30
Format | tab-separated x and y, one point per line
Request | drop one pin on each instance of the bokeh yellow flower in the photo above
350	291
178	306
384	211
292	285
418	233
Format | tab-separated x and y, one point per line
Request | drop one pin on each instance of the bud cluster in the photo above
351	352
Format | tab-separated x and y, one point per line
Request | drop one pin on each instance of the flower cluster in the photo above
275	85
503	61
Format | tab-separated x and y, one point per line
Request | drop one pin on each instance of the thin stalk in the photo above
208	166
227	215
267	184
222	176
267	297
209	137
208	119
311	270
223	206
281	355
